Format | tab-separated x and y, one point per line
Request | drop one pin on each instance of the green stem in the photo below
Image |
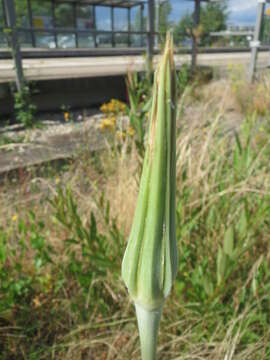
148	323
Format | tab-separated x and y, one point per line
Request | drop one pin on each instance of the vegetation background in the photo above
63	232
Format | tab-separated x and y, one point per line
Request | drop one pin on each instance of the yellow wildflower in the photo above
66	116
131	131
36	302
112	120
120	135
107	123
14	217
114	106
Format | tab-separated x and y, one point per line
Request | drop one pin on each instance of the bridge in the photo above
53	68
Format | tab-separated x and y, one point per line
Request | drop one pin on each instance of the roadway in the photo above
87	67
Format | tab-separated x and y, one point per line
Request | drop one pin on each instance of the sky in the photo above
241	12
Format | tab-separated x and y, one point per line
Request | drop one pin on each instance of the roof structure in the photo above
114	3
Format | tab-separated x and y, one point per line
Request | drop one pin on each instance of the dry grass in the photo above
232	324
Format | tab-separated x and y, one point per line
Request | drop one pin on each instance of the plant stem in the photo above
148	323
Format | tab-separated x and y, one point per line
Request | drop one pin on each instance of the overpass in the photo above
73	67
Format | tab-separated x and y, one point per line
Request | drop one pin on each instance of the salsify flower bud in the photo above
150	261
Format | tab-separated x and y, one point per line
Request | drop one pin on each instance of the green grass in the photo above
6	140
61	295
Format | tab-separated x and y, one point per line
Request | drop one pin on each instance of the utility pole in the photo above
157	21
150	35
196	22
256	39
14	43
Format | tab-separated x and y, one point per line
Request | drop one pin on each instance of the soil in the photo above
50	140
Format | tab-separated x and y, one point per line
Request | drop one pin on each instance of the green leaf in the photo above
229	242
208	285
242	224
221	265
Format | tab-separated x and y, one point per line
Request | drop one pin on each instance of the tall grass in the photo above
61	295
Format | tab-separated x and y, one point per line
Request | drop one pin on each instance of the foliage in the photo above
165	10
265	30
213	18
139	91
251	98
31	279
61	296
210	278
114	110
24	109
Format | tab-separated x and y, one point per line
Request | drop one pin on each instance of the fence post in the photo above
14	43
256	39
150	35
196	22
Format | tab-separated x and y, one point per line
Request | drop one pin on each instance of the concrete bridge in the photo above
37	69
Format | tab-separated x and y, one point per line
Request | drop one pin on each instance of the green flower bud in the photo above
150	261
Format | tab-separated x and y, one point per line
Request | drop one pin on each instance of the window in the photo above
64	16
86	41
85	21
103	18
2	19
42	14
25	39
136	17
121	40
22	16
45	40
85	17
66	41
104	40
120	19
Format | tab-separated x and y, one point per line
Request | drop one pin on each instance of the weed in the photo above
24	109
61	295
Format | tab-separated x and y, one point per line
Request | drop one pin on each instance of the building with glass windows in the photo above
67	24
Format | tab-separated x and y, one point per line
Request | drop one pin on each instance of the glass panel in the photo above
136	40
120	19
85	17
25	39
144	18
135	19
66	41
22	13
86	41
103	18
121	40
45	40
64	16
2	19
42	14
144	40
104	40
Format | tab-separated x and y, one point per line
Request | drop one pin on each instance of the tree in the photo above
164	10
265	31
136	23
213	17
